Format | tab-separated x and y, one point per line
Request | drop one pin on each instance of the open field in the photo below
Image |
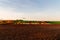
54	22
30	32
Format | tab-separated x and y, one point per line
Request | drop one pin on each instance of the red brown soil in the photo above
30	32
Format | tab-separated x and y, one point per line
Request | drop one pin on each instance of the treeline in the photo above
18	22
23	22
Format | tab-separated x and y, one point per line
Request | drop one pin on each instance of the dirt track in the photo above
30	32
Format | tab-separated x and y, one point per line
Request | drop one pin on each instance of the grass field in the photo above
54	22
29	32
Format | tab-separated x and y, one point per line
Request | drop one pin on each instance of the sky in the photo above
43	10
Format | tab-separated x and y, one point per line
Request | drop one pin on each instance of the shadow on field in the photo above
28	32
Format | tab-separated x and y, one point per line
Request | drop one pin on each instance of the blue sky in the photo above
30	9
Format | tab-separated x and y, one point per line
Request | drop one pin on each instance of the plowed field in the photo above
30	32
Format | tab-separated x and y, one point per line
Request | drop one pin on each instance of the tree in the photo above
4	22
18	21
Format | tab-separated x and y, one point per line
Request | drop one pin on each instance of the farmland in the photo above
29	32
27	22
54	22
